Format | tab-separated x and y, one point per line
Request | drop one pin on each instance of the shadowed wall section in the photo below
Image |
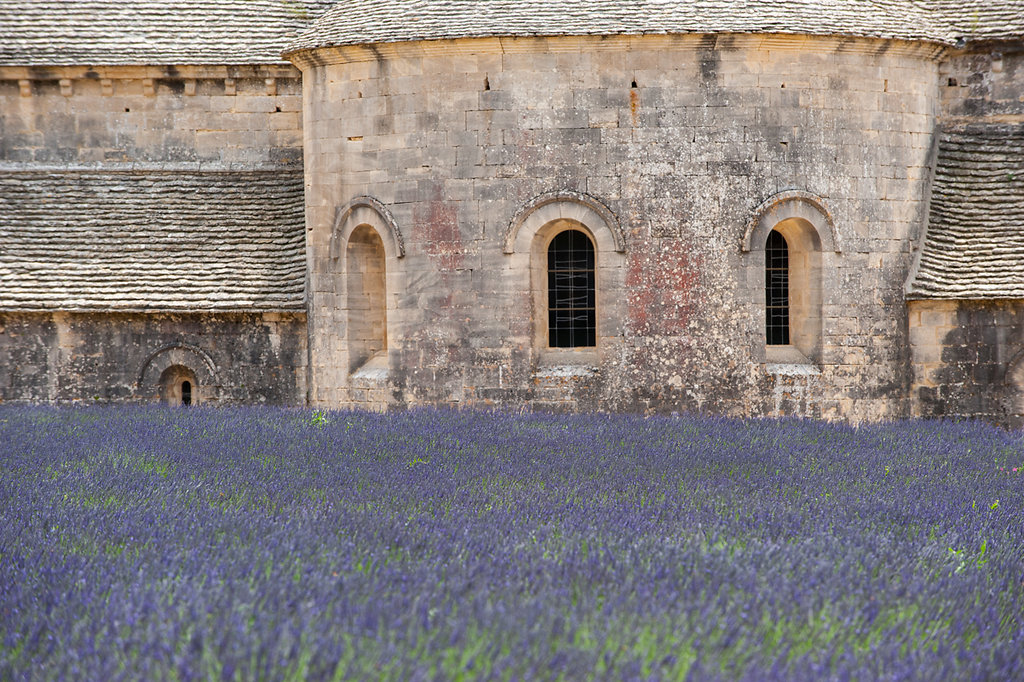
103	358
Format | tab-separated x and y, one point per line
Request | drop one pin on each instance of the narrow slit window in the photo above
186	393
776	278
572	300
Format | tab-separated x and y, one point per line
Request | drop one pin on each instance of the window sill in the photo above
788	361
566	358
562	372
374	370
782	370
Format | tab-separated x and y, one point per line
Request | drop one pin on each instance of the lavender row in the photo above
259	544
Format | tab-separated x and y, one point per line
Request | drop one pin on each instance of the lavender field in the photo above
286	545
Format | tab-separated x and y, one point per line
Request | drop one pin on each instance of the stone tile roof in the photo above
980	20
380	21
110	32
974	246
149	241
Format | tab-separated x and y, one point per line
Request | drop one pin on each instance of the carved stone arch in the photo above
789	205
527	242
365	242
574	207
192	360
366	210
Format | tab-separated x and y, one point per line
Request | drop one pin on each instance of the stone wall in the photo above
216	116
85	358
967	354
968	360
683	139
983	85
180	123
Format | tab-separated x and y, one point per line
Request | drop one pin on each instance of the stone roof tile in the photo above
120	241
382	21
974	246
112	32
986	20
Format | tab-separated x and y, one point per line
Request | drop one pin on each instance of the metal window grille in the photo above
572	307
776	284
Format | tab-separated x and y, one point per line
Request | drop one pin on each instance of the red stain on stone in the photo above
438	226
662	279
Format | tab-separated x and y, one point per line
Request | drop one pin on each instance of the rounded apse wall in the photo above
680	139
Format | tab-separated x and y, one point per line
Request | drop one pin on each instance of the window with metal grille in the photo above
776	285
572	311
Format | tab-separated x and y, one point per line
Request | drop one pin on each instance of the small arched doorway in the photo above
178	387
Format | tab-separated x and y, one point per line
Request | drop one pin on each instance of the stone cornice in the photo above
569	44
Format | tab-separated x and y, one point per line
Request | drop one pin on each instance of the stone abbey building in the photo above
746	207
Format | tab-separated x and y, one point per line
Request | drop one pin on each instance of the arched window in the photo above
776	289
186	393
569	249
796	232
367	299
572	304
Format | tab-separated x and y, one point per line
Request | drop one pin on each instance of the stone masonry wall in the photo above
164	119
682	138
968	360
79	358
983	85
967	355
218	116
